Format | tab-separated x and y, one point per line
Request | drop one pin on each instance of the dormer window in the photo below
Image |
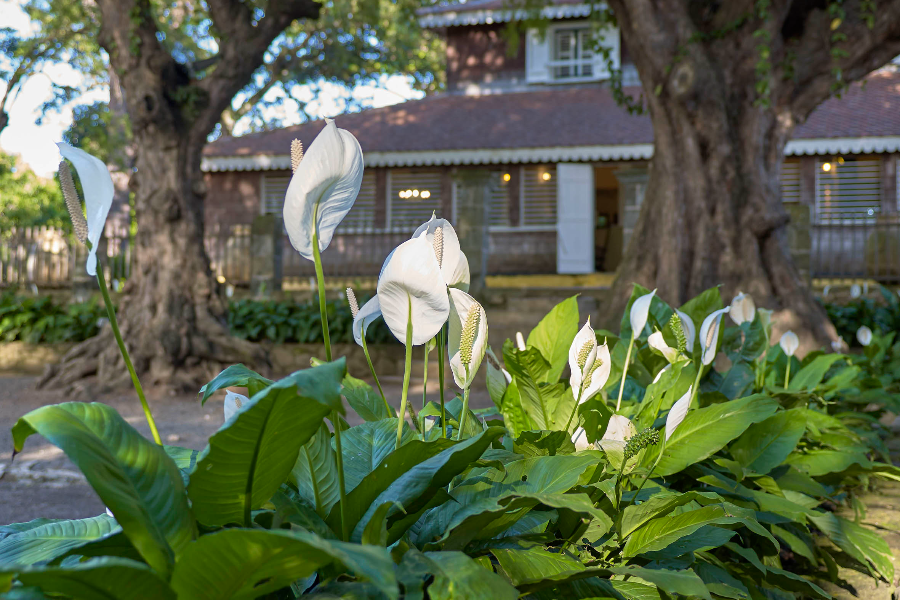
573	54
565	53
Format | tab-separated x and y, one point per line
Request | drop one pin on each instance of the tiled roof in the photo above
551	118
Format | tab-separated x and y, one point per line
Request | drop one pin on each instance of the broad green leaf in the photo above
538	400
366	445
496	378
104	578
794	583
636	515
253	453
797	540
235	376
812	374
862	544
376	533
816	463
14	528
514	415
720	582
185	459
707	430
532	565
543	443
553	336
315	473
766	444
736	382
414	488
458	576
365	401
50	540
250	563
133	476
659	533
686	582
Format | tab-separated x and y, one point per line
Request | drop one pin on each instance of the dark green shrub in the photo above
43	319
882	317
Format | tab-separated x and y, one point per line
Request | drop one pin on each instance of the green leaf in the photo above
133	476
533	565
659	533
376	533
251	455
365	401
315	473
185	459
812	374
250	563
766	444
458	576
794	583
864	545
543	443
50	540
366	445
235	376
707	430
636	515
553	336
816	463
687	583
104	578
514	416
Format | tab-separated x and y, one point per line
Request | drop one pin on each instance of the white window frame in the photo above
520	227
540	50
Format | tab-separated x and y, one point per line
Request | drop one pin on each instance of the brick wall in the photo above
478	54
232	198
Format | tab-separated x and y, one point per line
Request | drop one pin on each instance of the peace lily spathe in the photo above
743	309
864	335
233	403
658	343
98	189
690	331
619	429
579	438
520	341
678	412
454	264
589	364
323	188
640	310
709	334
789	342
467	337
412	291
369	312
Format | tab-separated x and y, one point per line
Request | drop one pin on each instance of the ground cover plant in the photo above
881	316
612	465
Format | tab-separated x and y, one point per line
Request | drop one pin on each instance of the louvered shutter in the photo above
848	189
274	188
537	55
539	196
413	196
790	182
362	216
499	199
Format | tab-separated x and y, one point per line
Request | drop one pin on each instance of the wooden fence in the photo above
857	249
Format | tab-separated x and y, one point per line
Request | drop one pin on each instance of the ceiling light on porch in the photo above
426	194
826	167
545	176
415	193
507	177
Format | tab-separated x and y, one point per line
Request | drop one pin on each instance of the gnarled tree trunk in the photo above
712	212
172	313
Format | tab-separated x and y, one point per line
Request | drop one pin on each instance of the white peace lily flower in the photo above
690	331
369	312
837	345
709	334
520	341
98	189
323	188
454	264
855	291
589	364
233	402
579	438
658	343
619	429
743	309
461	278
661	371
640	310
412	292
467	338
864	335
677	413
789	342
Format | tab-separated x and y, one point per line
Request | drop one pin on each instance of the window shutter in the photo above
848	189
790	182
362	216
413	196
274	188
607	38
537	55
539	196
499	216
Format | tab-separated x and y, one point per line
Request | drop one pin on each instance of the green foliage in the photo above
708	510
883	316
27	200
44	320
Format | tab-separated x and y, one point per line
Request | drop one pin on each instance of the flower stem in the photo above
574	410
320	284
336	422
425	388
374	375
696	389
465	412
441	350
406	372
111	311
787	373
625	372
653	468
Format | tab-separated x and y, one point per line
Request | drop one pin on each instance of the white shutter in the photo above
537	55
607	37
848	189
413	196
362	216
274	188
499	199
790	182
575	229
538	196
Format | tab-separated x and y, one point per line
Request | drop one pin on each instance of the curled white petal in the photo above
579	438
585	336
640	310
451	251
461	278
789	342
411	288
678	412
323	188
743	309
709	334
97	185
520	341
661	371
233	403
864	335
690	331
369	312
599	374
658	343
461	304
619	429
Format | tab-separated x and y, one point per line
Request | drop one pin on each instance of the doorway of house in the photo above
607	229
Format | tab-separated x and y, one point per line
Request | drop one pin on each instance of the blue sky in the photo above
36	144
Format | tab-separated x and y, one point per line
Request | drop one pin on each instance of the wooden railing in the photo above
856	249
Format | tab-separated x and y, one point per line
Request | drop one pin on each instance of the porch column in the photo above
473	205
632	185
265	255
574	218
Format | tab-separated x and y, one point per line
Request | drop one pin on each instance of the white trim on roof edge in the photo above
542	155
486	17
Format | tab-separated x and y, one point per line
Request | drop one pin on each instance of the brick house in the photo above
559	167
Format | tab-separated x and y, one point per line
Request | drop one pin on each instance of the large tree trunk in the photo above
172	313
712	212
